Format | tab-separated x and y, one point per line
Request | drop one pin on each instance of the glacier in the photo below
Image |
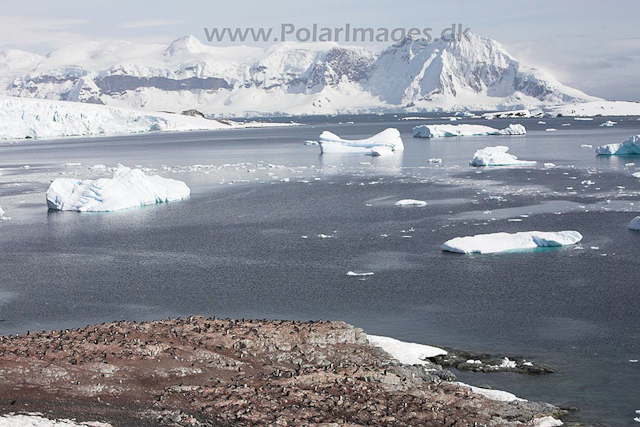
473	73
127	189
497	156
405	352
442	131
385	142
507	242
629	147
635	224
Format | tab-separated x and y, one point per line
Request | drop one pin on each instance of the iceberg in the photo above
506	242
440	131
608	124
127	189
497	156
635	224
411	202
406	353
379	144
629	147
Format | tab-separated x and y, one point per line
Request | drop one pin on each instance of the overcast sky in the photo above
593	45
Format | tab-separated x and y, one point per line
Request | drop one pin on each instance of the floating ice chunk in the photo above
608	124
629	147
411	202
127	189
498	395
332	143
405	352
440	131
73	164
2	215
497	156
585	119
435	161
635	224
551	130
549	165
636	175
309	142
586	146
506	242
354	274
542	123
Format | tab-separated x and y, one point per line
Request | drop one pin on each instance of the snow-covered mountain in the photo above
303	78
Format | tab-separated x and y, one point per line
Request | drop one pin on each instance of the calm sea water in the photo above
237	247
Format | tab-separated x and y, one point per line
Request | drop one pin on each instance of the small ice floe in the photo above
435	161
498	395
127	189
380	143
586	146
325	236
2	215
441	131
542	123
566	124
631	146
549	165
497	156
410	202
26	167
551	130
608	124
583	119
354	274
509	242
405	352
73	164
311	143
635	224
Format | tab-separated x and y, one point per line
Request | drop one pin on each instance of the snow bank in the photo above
629	147
381	143
405	352
128	188
37	118
497	156
498	395
635	223
411	202
36	420
505	242
439	131
547	422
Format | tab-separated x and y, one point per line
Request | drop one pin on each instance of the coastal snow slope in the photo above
473	73
39	118
127	189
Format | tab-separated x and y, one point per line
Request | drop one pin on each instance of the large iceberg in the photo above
381	143
635	224
406	352
127	189
629	147
497	156
440	131
505	242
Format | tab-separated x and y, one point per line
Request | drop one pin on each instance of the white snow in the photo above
506	242
635	223
128	188
37	420
498	395
35	118
547	422
497	156
411	202
630	146
405	352
439	131
597	108
380	143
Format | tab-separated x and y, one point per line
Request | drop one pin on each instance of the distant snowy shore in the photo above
22	118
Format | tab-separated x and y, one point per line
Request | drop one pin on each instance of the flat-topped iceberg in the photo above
406	352
411	202
497	156
127	189
629	147
505	242
442	131
635	224
379	144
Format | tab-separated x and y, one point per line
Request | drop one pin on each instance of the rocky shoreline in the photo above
218	372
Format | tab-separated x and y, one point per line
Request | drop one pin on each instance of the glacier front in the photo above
497	156
507	242
127	189
626	148
387	140
442	131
